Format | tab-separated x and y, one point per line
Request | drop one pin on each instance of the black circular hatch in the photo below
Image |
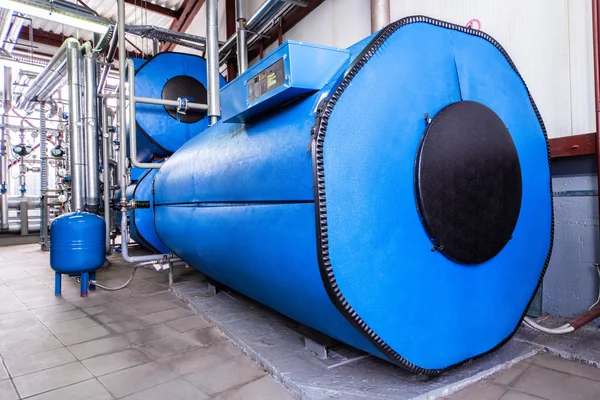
186	87
468	182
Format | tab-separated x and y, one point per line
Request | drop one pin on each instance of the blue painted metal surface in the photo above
307	68
158	133
77	246
237	202
141	220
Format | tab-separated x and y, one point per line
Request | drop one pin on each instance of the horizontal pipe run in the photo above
173	103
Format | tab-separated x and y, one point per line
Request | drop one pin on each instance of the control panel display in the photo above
267	80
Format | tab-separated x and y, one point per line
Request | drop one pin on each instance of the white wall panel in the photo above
549	41
582	66
534	32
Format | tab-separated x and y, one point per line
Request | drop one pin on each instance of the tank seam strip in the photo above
325	266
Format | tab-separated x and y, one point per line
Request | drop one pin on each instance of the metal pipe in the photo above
132	125
16	227
242	48
7	95
7	105
43	201
380	14
123	140
212	56
164	102
50	78
5	20
73	52
13	34
106	144
258	15
132	115
110	56
92	172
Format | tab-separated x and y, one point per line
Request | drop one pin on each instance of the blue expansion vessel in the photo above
160	129
395	195
77	246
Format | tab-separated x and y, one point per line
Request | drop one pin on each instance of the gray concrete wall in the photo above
571	282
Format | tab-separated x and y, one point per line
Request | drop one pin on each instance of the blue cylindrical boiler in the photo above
77	246
402	205
161	129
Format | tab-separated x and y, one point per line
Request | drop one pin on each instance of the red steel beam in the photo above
189	9
577	145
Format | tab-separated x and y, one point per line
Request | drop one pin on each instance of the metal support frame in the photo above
7	105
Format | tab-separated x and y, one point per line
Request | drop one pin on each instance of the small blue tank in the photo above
76	247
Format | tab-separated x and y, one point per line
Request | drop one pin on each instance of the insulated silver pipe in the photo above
15	227
132	118
242	48
123	140
5	20
7	105
380	14
3	176
212	57
73	52
49	79
43	202
258	15
7	94
92	171
164	102
106	145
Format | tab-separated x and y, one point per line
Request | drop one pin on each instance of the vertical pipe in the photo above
43	179
122	115
106	144
596	47
380	14
92	186
75	128
24	214
155	47
212	56
242	48
7	105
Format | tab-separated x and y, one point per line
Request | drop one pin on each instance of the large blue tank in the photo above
77	246
161	130
403	207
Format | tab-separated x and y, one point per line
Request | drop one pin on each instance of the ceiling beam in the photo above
287	23
189	9
56	39
155	8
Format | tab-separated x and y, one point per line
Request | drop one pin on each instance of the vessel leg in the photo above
92	278
57	284
84	284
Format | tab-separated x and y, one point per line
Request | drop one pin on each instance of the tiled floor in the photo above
137	343
541	377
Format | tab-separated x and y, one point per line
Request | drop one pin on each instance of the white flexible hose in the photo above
566	328
135	267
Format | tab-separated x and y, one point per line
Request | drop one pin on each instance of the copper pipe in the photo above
586	317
